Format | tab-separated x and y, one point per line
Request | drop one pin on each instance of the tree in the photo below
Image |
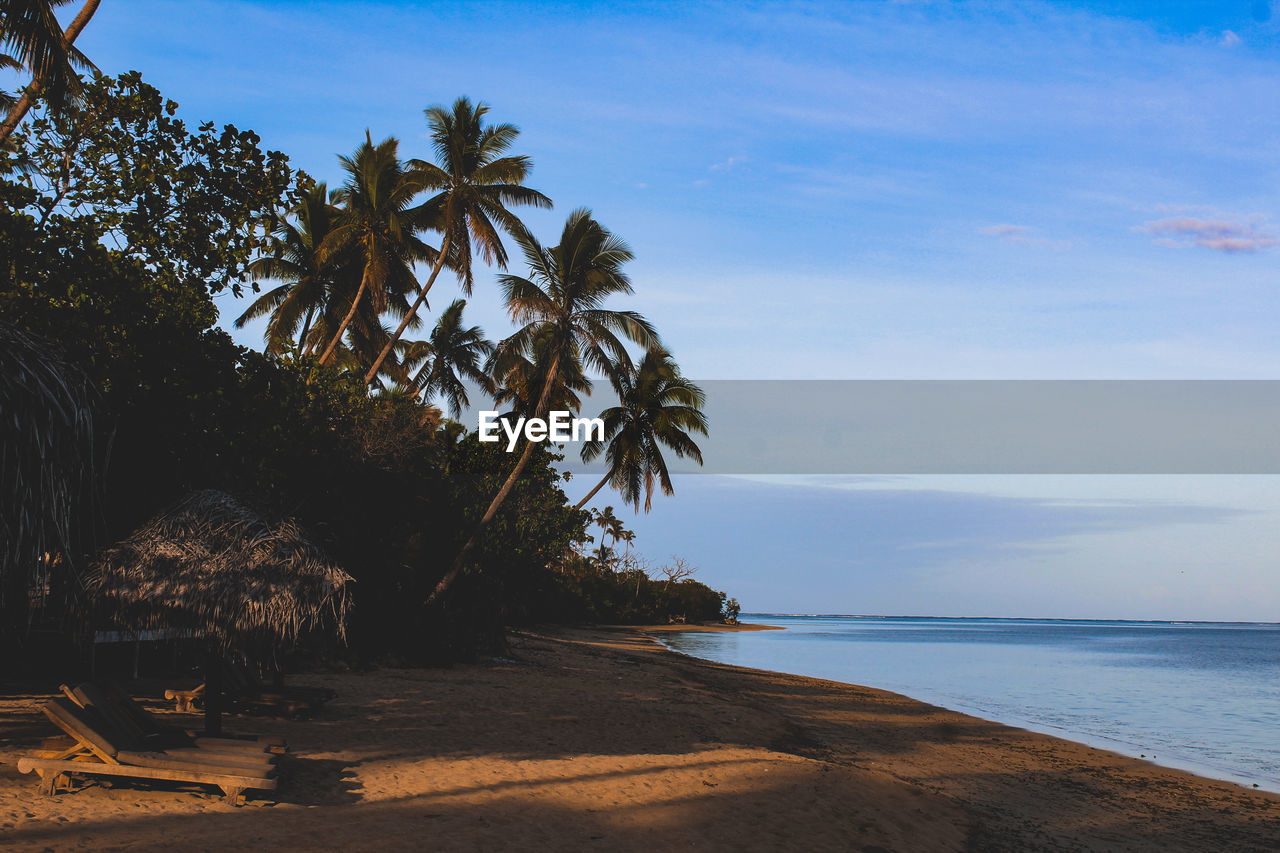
603	555
49	471
451	354
629	537
609	524
117	224
476	184
657	406
518	377
193	206
731	610
561	304
677	570
308	277
30	30
378	225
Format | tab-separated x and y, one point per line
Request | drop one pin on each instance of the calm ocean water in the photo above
1197	695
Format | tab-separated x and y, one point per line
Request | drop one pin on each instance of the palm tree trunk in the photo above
306	327
591	494
28	99
346	321
460	560
408	318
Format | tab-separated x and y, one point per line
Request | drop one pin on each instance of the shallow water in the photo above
1197	695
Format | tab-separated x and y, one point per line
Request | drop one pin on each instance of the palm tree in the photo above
627	536
451	353
365	338
477	183
50	475
609	524
518	377
33	39
603	557
657	406
562	304
308	277
8	63
379	227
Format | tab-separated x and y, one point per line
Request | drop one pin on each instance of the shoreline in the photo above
1124	748
696	628
604	739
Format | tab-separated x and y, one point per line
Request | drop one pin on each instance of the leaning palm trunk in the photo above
413	312
346	321
28	99
460	560
306	327
591	494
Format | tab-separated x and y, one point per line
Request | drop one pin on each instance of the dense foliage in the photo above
118	225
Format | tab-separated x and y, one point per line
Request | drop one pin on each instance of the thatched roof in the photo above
211	564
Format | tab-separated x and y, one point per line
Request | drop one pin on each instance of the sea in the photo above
1200	696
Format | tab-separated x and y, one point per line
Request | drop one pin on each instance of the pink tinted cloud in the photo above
1022	235
1220	235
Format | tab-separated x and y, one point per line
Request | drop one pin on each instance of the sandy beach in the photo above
601	739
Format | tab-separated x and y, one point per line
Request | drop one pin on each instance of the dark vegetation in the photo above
119	224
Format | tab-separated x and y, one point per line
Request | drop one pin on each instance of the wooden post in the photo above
212	691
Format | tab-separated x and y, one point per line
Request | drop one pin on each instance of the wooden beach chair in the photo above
134	721
100	748
148	723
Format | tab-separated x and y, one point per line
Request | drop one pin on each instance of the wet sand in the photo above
601	739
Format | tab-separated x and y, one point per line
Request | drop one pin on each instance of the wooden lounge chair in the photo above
100	746
136	722
148	724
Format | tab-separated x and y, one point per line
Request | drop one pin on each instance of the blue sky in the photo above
866	190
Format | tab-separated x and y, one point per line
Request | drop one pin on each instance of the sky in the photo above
878	190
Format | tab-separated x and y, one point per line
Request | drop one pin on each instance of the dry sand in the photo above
601	740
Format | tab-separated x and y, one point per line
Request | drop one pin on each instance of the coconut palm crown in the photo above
451	354
32	38
656	407
308	276
477	182
378	224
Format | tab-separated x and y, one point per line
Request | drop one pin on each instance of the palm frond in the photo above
47	465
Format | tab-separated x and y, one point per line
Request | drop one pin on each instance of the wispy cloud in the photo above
1229	39
1013	233
1023	235
1176	208
1221	235
725	165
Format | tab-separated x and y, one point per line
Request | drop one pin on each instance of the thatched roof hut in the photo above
210	564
